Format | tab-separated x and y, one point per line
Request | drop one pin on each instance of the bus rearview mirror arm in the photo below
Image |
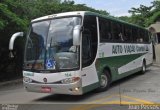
11	42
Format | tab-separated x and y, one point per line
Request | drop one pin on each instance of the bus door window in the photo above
89	40
86	46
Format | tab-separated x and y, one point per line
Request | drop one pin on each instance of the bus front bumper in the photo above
72	89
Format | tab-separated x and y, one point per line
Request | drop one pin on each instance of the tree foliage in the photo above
20	12
15	15
144	15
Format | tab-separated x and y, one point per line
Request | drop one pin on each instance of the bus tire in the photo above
144	67
105	80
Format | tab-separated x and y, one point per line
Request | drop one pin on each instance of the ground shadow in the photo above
128	78
66	98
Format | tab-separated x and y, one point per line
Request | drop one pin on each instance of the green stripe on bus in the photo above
114	63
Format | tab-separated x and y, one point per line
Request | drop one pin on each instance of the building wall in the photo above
157	49
155	30
157	53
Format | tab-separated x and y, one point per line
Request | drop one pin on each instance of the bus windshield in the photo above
50	45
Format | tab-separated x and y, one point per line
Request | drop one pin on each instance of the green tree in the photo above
155	13
15	15
124	18
142	10
140	15
9	23
144	15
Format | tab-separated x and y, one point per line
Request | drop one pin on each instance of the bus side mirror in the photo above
76	35
12	40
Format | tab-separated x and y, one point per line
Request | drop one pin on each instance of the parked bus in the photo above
76	52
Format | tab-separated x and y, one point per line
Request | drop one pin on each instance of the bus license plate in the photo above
46	89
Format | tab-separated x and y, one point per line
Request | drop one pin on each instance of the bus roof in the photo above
82	13
60	15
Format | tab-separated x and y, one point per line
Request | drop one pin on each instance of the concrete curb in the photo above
12	82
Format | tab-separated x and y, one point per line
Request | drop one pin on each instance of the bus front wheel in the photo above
104	81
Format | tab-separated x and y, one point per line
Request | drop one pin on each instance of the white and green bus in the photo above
76	52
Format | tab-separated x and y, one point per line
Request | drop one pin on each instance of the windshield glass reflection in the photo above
50	45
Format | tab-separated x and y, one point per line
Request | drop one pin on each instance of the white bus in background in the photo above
76	52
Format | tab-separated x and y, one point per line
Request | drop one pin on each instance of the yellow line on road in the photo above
101	99
116	102
127	97
138	100
92	103
102	102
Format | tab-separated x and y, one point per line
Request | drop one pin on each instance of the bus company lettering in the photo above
120	49
117	49
129	48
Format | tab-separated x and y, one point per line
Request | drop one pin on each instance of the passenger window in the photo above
134	34
105	30
140	36
146	37
128	33
117	32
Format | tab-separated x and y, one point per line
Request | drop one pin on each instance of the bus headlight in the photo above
26	79
70	80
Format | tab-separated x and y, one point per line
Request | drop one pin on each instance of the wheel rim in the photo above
104	81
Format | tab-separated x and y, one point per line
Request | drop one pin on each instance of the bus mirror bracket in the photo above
76	35
11	42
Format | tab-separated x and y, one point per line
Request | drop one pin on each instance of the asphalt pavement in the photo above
133	92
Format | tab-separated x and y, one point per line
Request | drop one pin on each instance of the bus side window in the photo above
146	37
134	34
128	33
121	37
105	30
140	37
117	32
